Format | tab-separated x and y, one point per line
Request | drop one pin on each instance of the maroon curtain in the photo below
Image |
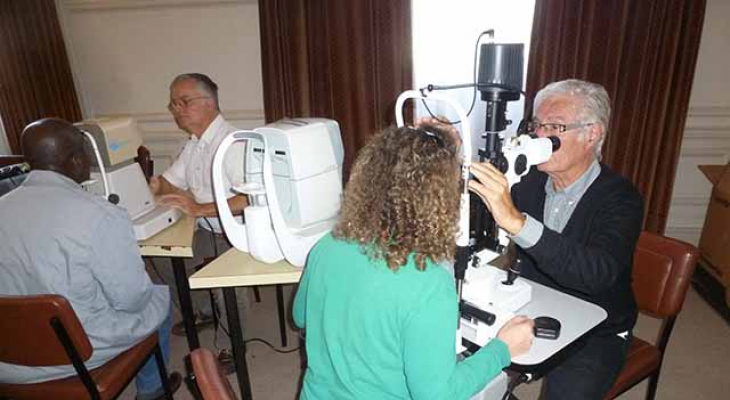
644	53
345	60
35	75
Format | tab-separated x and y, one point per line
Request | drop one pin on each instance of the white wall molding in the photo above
689	235
706	140
708	121
708	132
708	111
686	200
95	5
165	117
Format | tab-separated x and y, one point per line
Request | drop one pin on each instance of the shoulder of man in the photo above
227	127
100	207
613	181
611	186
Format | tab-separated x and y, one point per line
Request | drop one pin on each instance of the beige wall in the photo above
707	131
124	53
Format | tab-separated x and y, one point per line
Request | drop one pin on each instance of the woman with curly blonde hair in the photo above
378	306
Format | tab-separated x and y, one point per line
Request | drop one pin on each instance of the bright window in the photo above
4	146
444	38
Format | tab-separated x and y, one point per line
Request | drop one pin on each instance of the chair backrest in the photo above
209	376
28	335
663	269
10	160
144	159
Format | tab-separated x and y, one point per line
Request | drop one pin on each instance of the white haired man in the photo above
575	223
187	183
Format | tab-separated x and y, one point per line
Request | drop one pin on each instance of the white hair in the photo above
596	105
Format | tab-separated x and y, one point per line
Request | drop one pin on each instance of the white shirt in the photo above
193	168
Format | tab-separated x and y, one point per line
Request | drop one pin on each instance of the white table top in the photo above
576	317
235	268
174	241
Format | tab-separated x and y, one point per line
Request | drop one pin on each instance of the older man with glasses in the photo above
575	223
187	183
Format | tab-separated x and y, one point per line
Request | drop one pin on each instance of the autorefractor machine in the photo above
119	178
293	180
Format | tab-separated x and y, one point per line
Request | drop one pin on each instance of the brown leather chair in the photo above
663	269
43	330
144	159
10	160
207	377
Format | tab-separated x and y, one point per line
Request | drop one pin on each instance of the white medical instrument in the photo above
120	179
487	299
293	182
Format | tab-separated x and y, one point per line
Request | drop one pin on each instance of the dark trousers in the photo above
589	373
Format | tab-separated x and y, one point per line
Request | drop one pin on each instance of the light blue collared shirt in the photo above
559	207
55	238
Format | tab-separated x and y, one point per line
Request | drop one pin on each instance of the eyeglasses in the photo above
552	128
179	104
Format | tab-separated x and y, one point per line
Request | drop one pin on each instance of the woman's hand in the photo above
518	334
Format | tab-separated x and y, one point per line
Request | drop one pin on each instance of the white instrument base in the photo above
155	221
484	290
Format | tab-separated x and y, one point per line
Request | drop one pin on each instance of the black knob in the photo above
520	164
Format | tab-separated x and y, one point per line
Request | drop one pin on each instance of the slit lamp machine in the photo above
488	296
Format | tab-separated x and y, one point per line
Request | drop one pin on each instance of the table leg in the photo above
237	342
282	314
186	304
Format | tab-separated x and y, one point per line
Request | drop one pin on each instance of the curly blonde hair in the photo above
403	197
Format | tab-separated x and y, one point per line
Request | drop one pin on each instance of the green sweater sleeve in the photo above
299	308
429	343
300	301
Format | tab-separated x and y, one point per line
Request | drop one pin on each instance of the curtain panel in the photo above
644	53
35	74
345	60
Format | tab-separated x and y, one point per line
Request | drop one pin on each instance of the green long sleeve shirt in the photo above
377	334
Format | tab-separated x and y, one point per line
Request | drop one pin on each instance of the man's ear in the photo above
77	165
595	132
75	161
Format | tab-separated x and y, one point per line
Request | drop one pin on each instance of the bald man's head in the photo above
53	144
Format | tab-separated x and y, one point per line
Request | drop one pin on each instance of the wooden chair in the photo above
144	159
43	330
663	269
10	160
206	378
